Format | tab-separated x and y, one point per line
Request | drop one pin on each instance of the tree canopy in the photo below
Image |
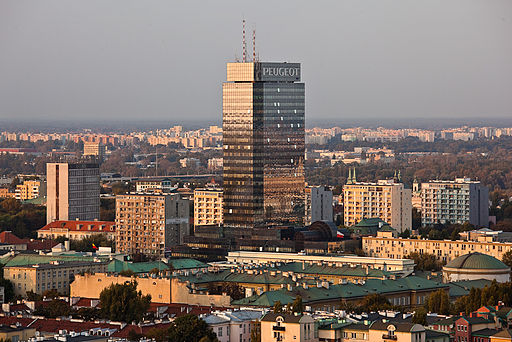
122	302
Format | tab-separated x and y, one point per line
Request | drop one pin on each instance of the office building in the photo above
28	190
459	201
208	207
73	191
318	204
263	139
385	199
150	223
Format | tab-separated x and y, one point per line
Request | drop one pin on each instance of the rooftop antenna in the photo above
254	45
244	47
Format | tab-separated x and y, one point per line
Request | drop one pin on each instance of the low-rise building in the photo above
56	275
15	333
280	327
149	184
28	190
77	230
233	326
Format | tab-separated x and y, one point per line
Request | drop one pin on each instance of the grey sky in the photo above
162	59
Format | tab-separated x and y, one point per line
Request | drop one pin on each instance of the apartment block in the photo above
208	205
458	201
388	200
73	191
318	204
444	250
150	223
28	190
53	276
95	149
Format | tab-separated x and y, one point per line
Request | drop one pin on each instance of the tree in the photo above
297	306
507	258
278	307
32	296
122	302
126	273
425	261
8	289
439	302
420	316
374	302
256	333
53	309
190	328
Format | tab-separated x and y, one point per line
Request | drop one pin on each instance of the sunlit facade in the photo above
263	137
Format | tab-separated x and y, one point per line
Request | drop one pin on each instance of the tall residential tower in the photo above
263	136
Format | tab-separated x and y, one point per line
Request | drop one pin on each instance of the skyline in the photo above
103	62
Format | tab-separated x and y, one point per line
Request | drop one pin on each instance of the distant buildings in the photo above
151	184
150	223
458	201
386	199
73	191
263	139
208	205
318	204
77	230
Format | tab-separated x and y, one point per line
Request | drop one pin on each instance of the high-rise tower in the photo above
263	137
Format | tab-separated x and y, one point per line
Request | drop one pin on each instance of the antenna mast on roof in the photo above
244	46
254	45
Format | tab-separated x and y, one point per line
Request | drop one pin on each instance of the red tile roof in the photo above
9	238
93	226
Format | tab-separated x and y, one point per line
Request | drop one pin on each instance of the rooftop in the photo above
476	261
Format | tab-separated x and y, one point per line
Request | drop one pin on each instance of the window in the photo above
220	332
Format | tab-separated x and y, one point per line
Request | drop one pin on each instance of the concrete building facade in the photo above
388	200
208	207
318	204
458	201
150	223
28	190
73	191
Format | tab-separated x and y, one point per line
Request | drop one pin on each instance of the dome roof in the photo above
476	261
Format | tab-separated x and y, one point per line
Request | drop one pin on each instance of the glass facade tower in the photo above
263	137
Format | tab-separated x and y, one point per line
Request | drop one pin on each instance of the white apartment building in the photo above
458	201
386	199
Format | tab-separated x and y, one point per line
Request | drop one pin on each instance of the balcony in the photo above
389	337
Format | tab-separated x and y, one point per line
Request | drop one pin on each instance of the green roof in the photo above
371	226
116	266
462	288
343	291
35	259
236	277
476	261
325	269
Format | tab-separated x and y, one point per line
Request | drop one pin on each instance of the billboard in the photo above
278	72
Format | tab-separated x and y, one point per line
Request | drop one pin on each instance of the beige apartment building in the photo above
386	199
53	276
95	149
444	250
73	191
150	223
208	205
28	190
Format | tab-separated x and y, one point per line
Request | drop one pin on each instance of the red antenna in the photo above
244	47
254	45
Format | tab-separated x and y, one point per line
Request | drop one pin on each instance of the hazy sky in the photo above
165	60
